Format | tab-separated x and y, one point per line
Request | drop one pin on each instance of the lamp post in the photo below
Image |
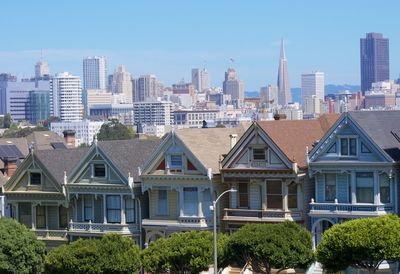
214	208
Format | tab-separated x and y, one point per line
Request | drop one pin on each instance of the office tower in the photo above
269	96
41	69
122	83
312	89
374	60
233	87
94	73
146	87
39	106
66	97
200	79
5	79
284	95
153	113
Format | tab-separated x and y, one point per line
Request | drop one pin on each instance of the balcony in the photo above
57	235
349	210
259	215
80	228
180	222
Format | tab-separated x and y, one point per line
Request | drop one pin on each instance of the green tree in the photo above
113	254
20	251
183	253
21	132
263	247
360	243
7	121
114	130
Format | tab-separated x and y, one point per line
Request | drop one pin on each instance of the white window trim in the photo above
348	137
105	168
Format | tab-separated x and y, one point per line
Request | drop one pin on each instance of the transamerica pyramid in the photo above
284	95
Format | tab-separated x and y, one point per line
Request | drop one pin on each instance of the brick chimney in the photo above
69	137
10	166
233	138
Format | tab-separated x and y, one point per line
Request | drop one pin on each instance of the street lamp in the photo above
214	208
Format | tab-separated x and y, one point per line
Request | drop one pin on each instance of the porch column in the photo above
285	195
180	193
92	208
377	195
104	209
16	206
83	207
76	209
264	195
353	188
200	200
33	212
47	217
123	219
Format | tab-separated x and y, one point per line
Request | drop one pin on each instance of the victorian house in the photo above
180	180
65	194
355	167
268	168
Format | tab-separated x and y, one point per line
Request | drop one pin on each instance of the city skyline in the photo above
318	36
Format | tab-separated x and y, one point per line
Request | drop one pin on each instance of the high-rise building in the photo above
200	79
284	95
153	113
66	97
94	73
312	88
122	83
269	96
41	69
5	79
185	92
39	109
233	87
146	87
374	60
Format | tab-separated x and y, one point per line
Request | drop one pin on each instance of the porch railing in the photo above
261	215
50	234
347	208
102	227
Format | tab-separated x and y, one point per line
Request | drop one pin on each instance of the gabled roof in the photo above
128	155
58	161
383	127
293	136
208	144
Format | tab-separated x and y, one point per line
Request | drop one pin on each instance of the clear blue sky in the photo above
169	37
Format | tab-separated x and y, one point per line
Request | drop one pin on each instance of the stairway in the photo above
317	268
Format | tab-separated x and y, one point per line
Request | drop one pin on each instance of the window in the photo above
25	214
176	161
99	170
63	217
292	195
365	149
259	154
330	187
130	210
348	146
162	202
40	217
207	202
365	187
113	209
384	181
190	201
35	178
274	194
88	206
243	195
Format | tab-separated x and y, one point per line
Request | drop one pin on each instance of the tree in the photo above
20	251
113	254
360	243
7	120
21	132
114	130
263	247
183	253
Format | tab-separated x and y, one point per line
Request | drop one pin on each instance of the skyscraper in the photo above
312	86
94	73
284	95
146	87
41	69
233	87
122	83
374	60
200	79
66	97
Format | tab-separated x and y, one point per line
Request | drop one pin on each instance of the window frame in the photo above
335	186
88	205
112	209
389	187
185	200
372	187
281	195
31	172
165	211
295	186
244	194
173	166
348	146
265	159
94	170
130	209
43	216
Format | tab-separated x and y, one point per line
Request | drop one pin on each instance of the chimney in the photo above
233	138
10	166
69	137
279	116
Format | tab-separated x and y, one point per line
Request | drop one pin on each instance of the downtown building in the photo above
374	60
122	83
94	73
233	87
146	87
284	93
312	92
200	79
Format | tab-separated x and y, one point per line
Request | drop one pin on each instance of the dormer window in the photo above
259	154
348	147
176	161
35	178
99	170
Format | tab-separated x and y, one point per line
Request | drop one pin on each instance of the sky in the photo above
170	37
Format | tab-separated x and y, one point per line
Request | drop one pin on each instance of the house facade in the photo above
268	168
355	168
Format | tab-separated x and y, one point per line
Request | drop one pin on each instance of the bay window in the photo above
274	195
113	209
190	201
365	187
162	202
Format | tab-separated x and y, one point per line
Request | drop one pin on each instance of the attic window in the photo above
99	170
35	178
176	161
259	154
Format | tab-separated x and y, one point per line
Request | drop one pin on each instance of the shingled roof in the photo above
383	127
293	136
208	144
